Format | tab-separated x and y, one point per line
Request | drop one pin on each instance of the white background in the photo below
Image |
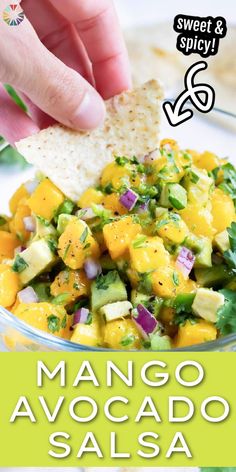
137	12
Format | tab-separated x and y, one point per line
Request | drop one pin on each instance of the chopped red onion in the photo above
145	321
19	249
81	316
143	207
28	295
31	185
29	223
92	268
129	199
185	261
151	156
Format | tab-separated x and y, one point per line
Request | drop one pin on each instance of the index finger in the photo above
99	29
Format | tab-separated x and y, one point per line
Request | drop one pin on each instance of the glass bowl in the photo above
216	132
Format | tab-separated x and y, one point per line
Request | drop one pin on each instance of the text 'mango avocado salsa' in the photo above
146	260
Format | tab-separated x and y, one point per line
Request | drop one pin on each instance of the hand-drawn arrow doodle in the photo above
174	113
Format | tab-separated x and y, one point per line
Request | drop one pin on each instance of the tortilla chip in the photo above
74	160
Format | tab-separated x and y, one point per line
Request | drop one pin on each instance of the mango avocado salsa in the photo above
146	260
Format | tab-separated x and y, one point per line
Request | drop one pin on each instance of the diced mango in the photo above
9	285
199	220
8	243
45	316
164	282
122	334
73	282
21	193
223	211
90	197
175	230
88	334
46	199
207	160
112	202
118	176
77	244
169	144
17	223
119	234
197	333
167	319
149	256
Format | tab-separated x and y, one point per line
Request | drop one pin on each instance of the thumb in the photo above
54	87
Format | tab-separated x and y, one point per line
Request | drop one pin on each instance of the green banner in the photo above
114	409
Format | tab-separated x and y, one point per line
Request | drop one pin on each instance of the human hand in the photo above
61	59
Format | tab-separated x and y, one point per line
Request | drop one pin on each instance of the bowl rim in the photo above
57	343
52	341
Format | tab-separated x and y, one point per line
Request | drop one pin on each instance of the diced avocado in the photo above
138	297
221	241
193	242
113	311
43	228
206	304
42	290
214	276
63	221
106	289
202	249
107	263
183	302
35	259
173	195
198	185
203	258
160	343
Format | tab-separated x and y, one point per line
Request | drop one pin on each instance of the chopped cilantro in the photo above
43	221
66	250
194	177
146	344
61	299
20	236
127	340
134	160
175	278
145	282
19	264
66	207
229	179
53	323
84	235
183	303
89	319
52	244
181	319
230	254
104	215
63	322
3	220
83	303
87	246
226	315
161	223
103	281
139	241
108	189
121	161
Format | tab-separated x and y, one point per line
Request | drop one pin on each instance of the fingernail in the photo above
91	112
